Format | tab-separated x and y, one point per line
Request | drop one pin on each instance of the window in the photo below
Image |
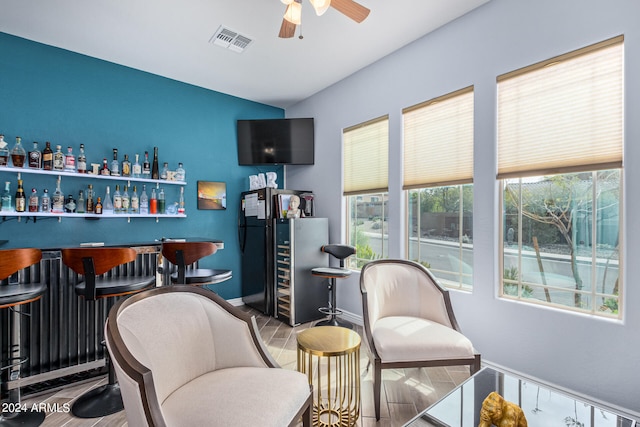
438	176
366	152
560	139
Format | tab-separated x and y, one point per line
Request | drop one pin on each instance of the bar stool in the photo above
12	295
340	252
182	254
91	263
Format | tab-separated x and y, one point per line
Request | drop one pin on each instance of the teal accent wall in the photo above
50	94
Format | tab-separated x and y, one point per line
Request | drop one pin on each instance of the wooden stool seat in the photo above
203	276
117	286
12	295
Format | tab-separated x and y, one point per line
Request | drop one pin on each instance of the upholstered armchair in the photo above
409	321
186	357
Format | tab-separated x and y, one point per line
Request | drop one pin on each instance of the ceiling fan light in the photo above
293	13
287	1
320	6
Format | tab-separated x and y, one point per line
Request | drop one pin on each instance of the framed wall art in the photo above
212	195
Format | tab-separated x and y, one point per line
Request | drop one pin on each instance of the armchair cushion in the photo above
219	398
403	339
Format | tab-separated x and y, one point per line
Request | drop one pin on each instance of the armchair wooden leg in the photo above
476	364
377	385
307	420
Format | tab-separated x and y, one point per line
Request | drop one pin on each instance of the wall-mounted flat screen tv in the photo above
275	141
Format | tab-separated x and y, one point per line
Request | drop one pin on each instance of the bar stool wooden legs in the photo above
13	295
93	263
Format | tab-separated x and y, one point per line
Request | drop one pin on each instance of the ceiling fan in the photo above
293	13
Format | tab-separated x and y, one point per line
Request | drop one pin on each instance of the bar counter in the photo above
63	334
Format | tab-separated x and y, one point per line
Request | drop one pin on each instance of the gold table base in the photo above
330	357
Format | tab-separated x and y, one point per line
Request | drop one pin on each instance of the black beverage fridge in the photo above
258	210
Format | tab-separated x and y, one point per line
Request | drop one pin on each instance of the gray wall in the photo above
593	356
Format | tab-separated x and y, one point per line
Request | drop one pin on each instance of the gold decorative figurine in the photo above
498	412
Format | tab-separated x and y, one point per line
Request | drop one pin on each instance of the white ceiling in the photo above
170	38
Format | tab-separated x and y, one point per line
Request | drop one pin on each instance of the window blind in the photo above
563	115
438	141
366	157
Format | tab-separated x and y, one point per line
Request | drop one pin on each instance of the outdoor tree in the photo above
558	201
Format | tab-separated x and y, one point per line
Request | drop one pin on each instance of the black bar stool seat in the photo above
13	294
341	252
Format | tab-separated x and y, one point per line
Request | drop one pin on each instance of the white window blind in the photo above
438	141
366	157
563	115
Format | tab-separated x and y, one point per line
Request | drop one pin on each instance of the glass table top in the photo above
542	406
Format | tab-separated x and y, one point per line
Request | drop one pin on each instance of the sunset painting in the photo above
212	195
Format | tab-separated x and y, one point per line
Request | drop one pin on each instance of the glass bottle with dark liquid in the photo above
47	157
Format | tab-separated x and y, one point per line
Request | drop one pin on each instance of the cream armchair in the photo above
186	357
409	322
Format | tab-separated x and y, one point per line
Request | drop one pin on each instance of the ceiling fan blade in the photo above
350	8
287	29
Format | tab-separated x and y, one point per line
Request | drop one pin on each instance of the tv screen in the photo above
276	141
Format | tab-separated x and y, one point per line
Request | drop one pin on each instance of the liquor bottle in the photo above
70	161
18	154
35	157
33	201
4	152
58	159
161	202
45	201
105	168
181	209
57	200
98	208
126	201
153	202
21	199
165	171
82	160
47	157
107	205
126	166
144	201
6	197
136	168
155	173
135	201
115	166
80	204
70	204
180	173
146	166
117	200
90	195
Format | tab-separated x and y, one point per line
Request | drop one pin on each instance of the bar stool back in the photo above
92	264
182	254
12	295
340	252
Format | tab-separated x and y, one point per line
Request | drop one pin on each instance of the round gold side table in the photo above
330	356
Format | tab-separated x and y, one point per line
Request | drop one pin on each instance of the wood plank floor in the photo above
405	392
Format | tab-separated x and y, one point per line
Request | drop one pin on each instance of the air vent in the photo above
230	39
